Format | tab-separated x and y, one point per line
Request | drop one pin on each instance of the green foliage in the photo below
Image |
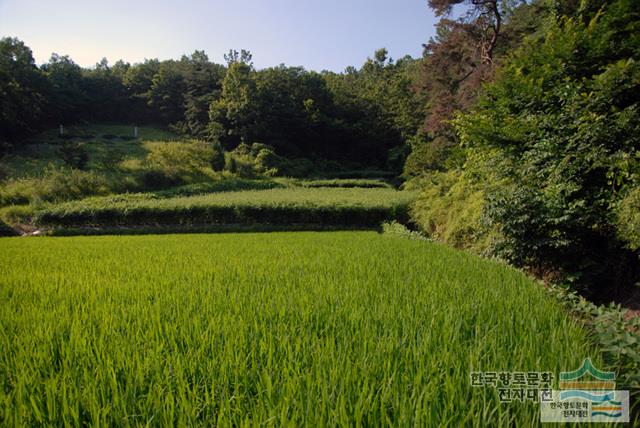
21	88
166	94
628	223
179	162
426	156
396	229
561	116
231	115
357	116
6	230
74	155
449	209
615	330
327	206
225	184
354	182
302	329
217	157
56	184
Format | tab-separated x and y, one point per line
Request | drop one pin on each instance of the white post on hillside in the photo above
61	130
135	132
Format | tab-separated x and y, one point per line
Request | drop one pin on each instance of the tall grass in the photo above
324	206
317	329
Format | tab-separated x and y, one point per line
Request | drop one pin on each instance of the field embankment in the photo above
347	207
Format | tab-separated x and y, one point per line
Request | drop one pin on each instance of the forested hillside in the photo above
357	116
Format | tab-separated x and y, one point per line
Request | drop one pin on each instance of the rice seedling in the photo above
297	328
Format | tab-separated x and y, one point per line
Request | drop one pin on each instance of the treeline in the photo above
361	116
534	155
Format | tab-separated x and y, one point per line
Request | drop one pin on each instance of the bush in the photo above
245	167
267	162
217	157
57	184
449	209
74	155
629	219
111	160
6	230
171	163
427	155
155	179
559	118
615	330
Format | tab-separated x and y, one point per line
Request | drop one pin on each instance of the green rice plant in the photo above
345	182
286	329
347	207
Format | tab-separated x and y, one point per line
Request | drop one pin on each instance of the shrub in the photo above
57	184
230	163
6	230
217	157
449	209
245	167
172	163
156	179
74	155
560	115
267	162
628	223
111	160
615	330
426	155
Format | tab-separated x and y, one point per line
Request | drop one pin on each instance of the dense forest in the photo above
357	116
519	126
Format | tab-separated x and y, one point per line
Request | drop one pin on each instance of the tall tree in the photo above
166	94
232	116
203	82
23	91
69	100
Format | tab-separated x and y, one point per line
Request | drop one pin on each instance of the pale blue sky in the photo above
320	34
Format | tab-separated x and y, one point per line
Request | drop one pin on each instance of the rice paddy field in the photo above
357	207
286	329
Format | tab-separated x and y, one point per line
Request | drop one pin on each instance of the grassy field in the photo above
321	329
102	142
283	206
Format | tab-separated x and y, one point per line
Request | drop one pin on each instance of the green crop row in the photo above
326	206
274	329
346	182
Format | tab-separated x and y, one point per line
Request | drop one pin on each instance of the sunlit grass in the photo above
318	329
330	206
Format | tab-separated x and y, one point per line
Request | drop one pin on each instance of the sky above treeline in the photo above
319	35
